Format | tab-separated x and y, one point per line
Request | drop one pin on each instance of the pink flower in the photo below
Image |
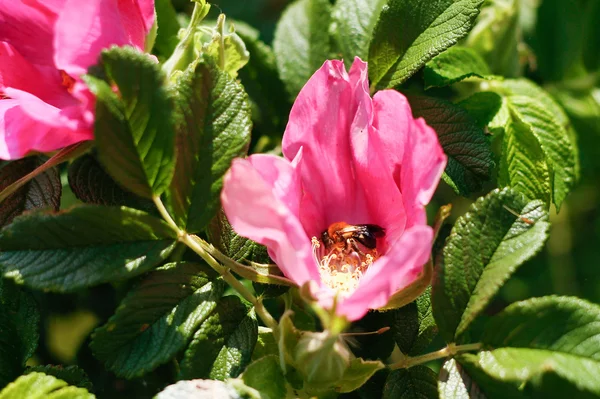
352	159
45	47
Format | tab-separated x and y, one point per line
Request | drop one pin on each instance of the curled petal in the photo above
399	267
319	123
253	200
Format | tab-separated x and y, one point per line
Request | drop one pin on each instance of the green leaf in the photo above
530	107
591	36
485	247
72	375
453	65
226	48
557	40
352	26
83	246
168	27
523	164
223	344
482	106
19	320
42	386
417	382
157	319
266	377
413	325
535	373
411	32
43	191
92	185
138	121
213	128
497	37
201	389
455	383
301	43
265	344
357	374
464	142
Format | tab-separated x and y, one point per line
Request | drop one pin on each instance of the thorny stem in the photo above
197	245
450	350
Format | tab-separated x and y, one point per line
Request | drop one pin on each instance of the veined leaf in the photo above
411	32
43	191
213	127
455	383
83	246
223	344
42	386
301	43
414	326
485	247
419	382
453	65
469	154
266	377
134	128
157	318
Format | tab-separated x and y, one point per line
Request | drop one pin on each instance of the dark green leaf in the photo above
352	27
413	325
375	346
591	36
482	106
266	377
302	42
261	80
411	32
42	386
72	375
455	383
417	382
19	320
43	191
453	65
92	185
223	344
213	128
81	247
464	142
134	127
485	247
157	319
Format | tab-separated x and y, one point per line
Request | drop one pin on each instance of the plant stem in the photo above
450	350
197	245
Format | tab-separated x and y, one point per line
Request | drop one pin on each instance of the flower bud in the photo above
322	358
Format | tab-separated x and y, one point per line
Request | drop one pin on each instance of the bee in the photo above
344	236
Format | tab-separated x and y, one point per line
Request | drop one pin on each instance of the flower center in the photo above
344	253
67	81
